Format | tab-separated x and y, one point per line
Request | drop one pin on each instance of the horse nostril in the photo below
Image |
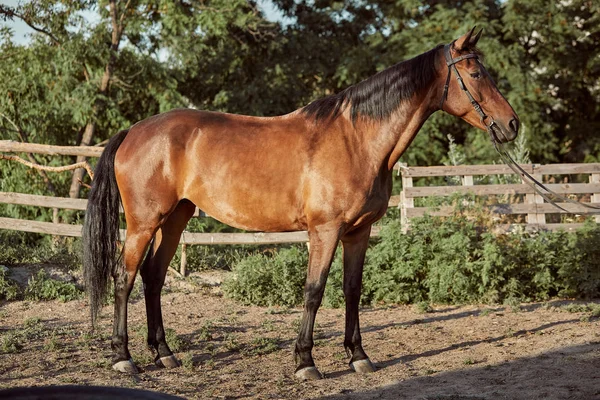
514	125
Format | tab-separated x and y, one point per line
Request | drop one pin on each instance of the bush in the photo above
8	289
42	287
26	248
269	279
450	260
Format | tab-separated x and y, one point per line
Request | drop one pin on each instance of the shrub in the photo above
269	279
8	289
42	287
25	248
440	260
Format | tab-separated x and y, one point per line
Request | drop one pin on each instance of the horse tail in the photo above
101	227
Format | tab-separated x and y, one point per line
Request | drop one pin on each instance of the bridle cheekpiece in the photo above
451	63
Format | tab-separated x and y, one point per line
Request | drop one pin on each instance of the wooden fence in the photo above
534	206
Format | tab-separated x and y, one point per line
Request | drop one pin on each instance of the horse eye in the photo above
476	75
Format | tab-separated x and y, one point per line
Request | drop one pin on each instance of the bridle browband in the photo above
504	154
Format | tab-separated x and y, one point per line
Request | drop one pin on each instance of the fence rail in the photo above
533	205
18	147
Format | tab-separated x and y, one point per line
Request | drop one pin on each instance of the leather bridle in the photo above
537	186
451	63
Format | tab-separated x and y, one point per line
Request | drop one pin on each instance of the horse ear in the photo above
464	42
475	39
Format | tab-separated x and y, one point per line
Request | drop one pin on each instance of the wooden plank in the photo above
595	178
517	188
187	238
18	147
40	227
395	201
507	209
407	202
535	199
566	169
419	172
42	201
551	169
544	208
244	238
81	204
49	228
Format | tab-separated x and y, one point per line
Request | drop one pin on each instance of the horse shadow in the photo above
567	373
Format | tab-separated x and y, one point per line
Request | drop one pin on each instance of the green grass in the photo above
261	346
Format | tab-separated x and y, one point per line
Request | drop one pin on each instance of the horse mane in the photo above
380	95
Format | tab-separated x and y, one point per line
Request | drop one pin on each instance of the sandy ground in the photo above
229	351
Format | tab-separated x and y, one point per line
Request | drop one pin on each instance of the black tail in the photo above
101	227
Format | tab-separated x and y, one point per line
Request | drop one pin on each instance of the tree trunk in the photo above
86	139
99	105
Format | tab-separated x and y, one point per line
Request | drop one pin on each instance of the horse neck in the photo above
390	138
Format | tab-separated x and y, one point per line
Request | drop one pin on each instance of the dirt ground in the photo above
229	351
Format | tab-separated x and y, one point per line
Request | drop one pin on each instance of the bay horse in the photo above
325	168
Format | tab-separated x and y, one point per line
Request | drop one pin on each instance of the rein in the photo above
547	194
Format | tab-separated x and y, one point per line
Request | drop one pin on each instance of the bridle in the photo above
504	154
451	63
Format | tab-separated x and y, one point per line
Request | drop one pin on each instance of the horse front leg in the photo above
355	246
323	241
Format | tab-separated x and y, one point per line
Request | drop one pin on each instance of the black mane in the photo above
378	96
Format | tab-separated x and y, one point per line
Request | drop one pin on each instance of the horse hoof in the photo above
308	374
362	366
168	362
126	367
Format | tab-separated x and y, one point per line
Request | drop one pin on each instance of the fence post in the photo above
595	178
183	265
55	220
535	218
467	180
405	202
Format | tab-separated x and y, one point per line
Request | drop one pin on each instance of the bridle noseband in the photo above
451	63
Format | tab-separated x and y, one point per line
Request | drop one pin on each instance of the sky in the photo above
20	28
22	32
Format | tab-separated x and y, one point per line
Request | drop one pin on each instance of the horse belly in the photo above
253	210
252	194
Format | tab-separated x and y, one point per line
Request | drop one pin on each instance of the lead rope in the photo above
535	184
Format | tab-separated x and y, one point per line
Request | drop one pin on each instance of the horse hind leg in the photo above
153	274
136	243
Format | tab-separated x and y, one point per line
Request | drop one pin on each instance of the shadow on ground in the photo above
569	373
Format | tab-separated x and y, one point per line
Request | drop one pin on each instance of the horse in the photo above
325	168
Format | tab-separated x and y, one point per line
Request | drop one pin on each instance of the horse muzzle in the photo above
504	133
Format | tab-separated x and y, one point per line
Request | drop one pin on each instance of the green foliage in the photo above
42	287
261	346
176	342
269	279
8	289
32	330
22	248
452	260
10	343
